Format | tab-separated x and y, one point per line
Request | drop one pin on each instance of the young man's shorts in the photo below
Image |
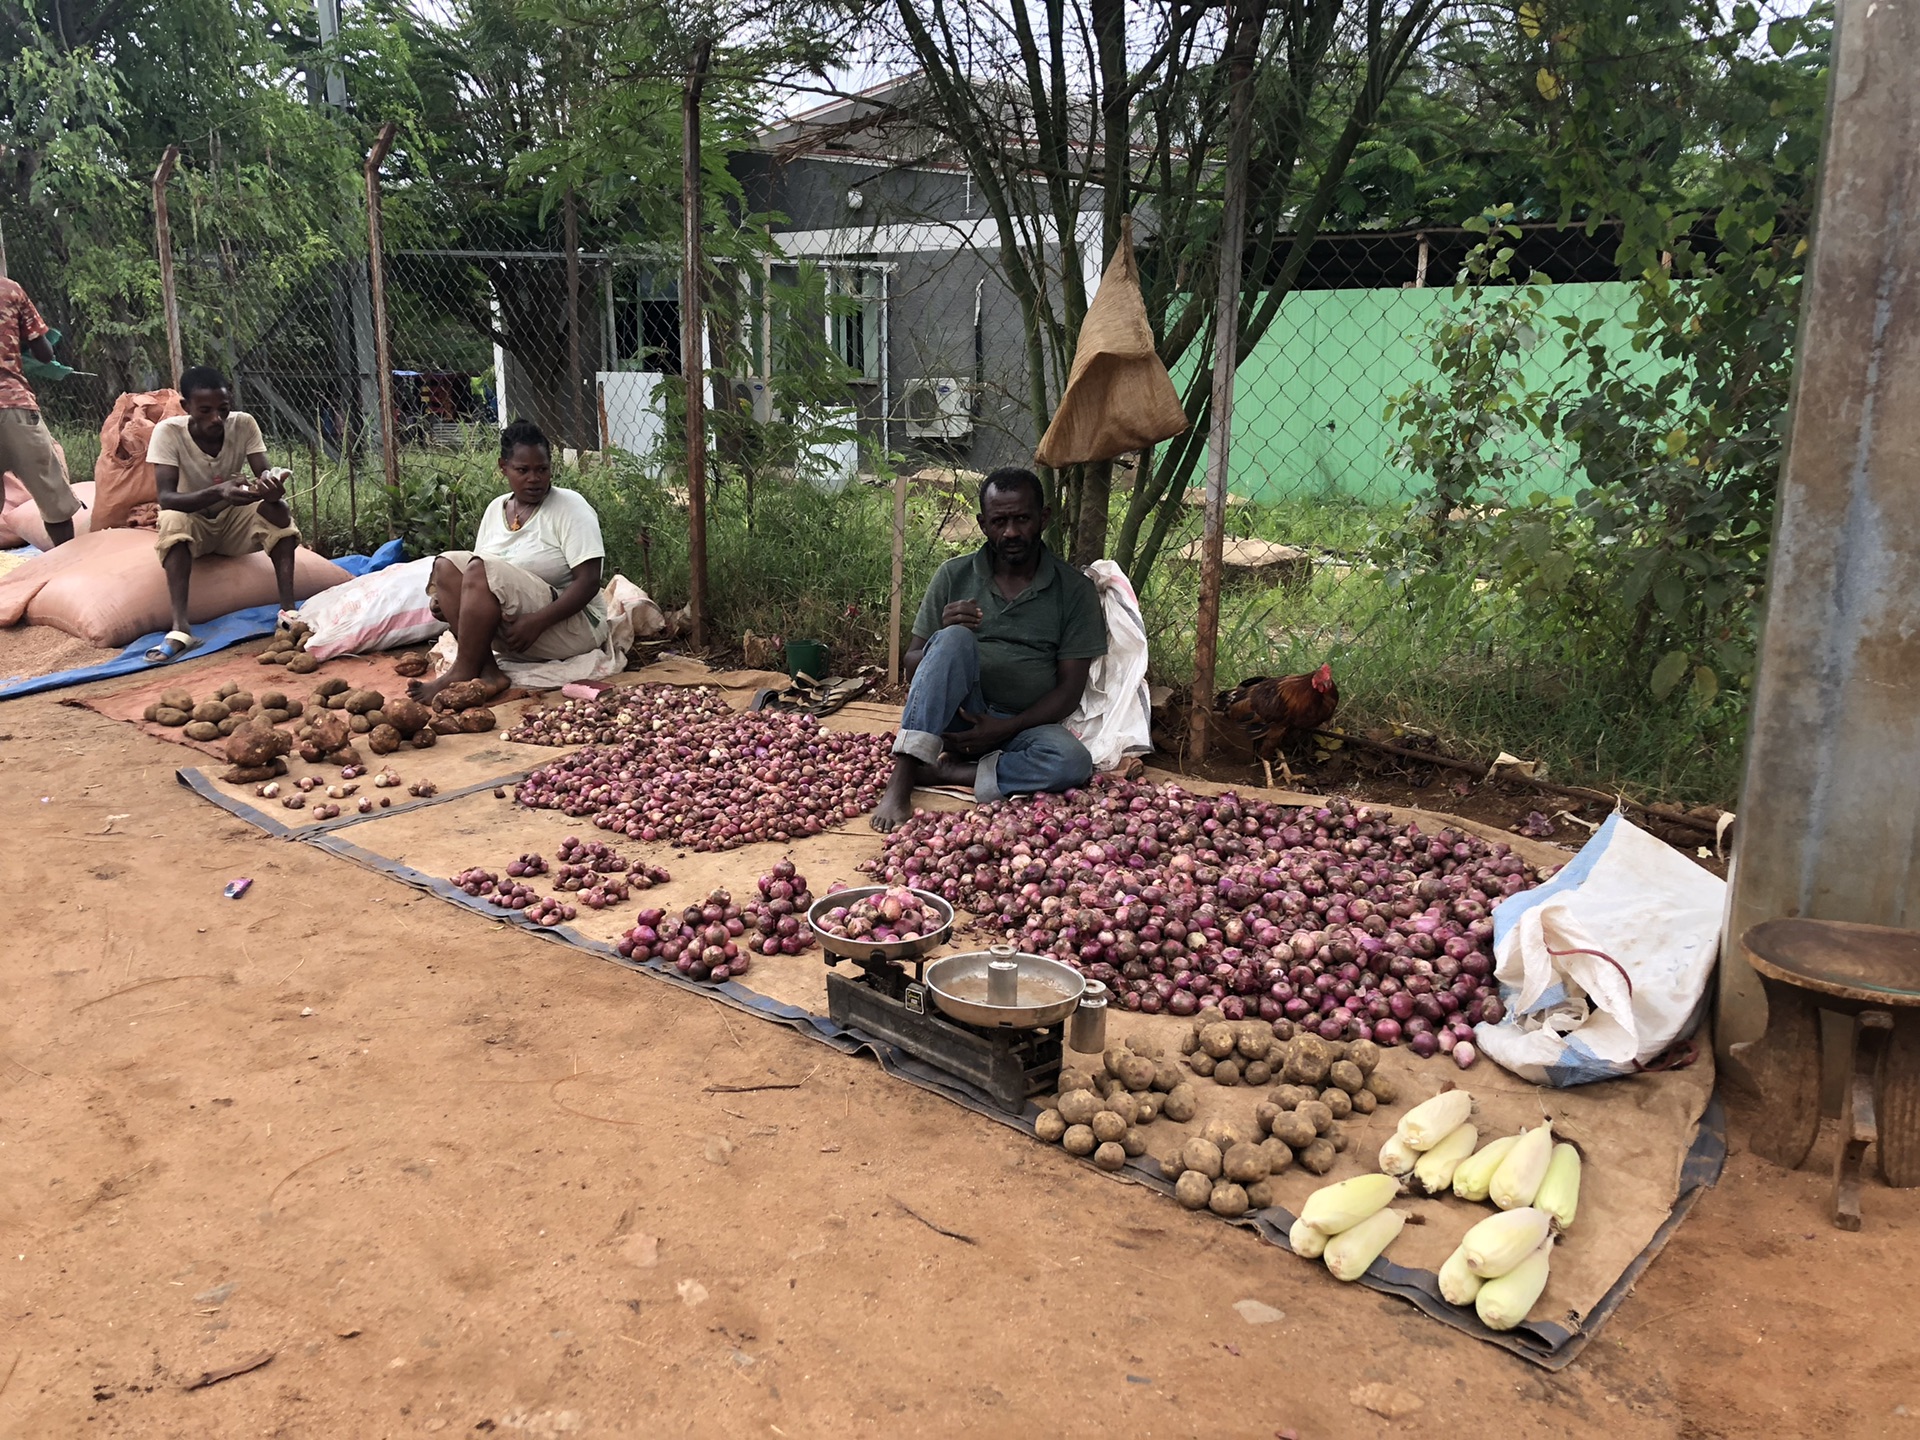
27	450
236	530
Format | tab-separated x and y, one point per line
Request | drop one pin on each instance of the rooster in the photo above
1269	710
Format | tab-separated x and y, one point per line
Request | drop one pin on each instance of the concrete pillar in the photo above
1830	811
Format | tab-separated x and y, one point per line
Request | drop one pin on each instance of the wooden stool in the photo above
1871	974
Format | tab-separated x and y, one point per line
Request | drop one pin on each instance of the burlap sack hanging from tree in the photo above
1119	396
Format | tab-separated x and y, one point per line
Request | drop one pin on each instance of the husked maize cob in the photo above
1431	1121
1458	1284
1504	1302
1305	1241
1500	1242
1559	1193
1475	1174
1397	1157
1518	1179
1341	1206
1350	1252
1436	1167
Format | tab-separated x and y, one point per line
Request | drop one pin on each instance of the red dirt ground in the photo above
458	1182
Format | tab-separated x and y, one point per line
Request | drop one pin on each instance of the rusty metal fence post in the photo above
163	247
376	270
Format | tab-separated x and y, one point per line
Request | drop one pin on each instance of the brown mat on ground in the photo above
1635	1132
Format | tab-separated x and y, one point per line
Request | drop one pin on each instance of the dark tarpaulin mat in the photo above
1544	1343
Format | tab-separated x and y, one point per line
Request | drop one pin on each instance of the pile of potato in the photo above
1226	1169
221	713
1233	1052
1138	1086
289	648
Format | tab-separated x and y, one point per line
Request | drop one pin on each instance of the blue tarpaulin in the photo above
228	629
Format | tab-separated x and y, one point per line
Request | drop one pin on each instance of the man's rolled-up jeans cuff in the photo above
986	779
921	745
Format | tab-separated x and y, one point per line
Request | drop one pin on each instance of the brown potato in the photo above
1317	1158
1145	1045
1260	1195
225	690
1294	1129
1119	1102
1316	1114
359	702
1050	1126
1228	1200
1074	1080
1201	1063
1365	1102
1180	1103
1134	1142
203	730
1190	1042
1256	1072
1109	1126
272	700
332	685
1252	1039
1308	1060
359	725
1079	1140
177	699
1078	1107
1147	1107
1346	1075
1383	1086
1166	1075
1110	1060
1264	1114
476	720
336	702
1202	1155
1289	1097
1365	1054
1227	1072
1338	1101
1337	1133
383	740
151	713
296	708
375	719
238	700
302	664
1279	1155
230	724
211	712
1224	1132
1218	1040
1111	1155
1193	1190
1137	1071
425	739
1245	1163
271	657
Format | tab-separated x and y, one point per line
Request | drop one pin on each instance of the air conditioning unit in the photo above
937	409
753	395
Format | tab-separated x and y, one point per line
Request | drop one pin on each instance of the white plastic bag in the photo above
1115	714
631	615
381	611
1605	965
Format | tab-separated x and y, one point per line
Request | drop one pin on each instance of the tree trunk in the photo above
1096	494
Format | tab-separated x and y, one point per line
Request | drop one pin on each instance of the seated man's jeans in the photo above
1045	758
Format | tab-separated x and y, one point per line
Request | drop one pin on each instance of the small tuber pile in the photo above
289	648
1101	1114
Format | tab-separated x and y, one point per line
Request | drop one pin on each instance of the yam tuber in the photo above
476	720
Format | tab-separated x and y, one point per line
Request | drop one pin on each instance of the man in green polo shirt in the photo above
1002	647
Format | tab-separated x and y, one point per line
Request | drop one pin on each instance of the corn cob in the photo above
1431	1121
1500	1242
1560	1192
1470	1181
1436	1167
1518	1179
1397	1157
1305	1241
1504	1302
1341	1206
1349	1253
1458	1284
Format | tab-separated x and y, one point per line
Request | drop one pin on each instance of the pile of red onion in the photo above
895	914
528	865
701	942
779	918
617	712
1333	918
719	783
477	882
